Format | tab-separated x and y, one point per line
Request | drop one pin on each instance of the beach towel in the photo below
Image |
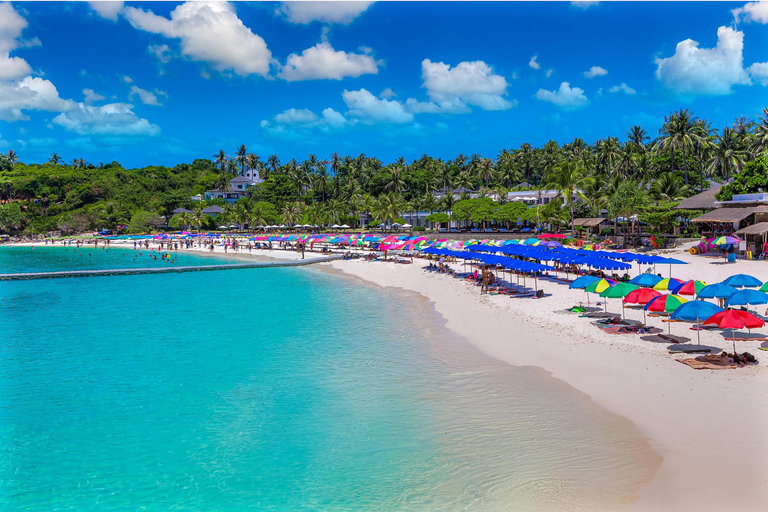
709	362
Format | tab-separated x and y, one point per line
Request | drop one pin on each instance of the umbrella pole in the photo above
733	339
644	317
698	331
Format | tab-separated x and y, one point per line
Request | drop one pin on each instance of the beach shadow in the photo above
744	336
690	348
665	338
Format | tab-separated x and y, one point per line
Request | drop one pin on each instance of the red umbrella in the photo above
552	235
734	319
641	296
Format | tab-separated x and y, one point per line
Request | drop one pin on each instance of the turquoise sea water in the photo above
281	389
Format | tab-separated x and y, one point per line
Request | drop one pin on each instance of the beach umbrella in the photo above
618	291
641	296
667	303
692	287
600	285
647	280
583	281
742	281
764	288
725	240
746	297
694	311
667	284
734	319
716	291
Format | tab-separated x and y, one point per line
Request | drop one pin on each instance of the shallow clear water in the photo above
279	389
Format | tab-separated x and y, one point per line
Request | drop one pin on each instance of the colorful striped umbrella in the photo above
600	285
725	240
691	287
667	284
641	296
618	291
667	303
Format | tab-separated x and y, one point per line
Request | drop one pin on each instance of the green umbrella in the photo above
764	288
618	291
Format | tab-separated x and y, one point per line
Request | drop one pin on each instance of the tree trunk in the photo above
685	166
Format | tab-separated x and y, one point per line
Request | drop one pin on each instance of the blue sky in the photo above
163	83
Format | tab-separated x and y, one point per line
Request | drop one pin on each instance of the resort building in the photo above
213	211
237	188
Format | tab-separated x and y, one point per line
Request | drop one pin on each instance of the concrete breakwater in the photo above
22	276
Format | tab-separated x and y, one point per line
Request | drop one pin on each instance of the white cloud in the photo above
108	10
387	94
595	71
710	71
12	24
211	33
110	119
146	97
368	108
127	79
623	88
753	11
323	62
759	72
30	93
162	52
293	116
565	96
297	124
532	63
325	12
91	96
584	4
549	73
467	83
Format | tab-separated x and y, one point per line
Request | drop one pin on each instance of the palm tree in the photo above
12	156
220	159
321	181
485	170
241	158
678	133
637	136
395	182
526	156
292	212
198	216
273	163
55	159
760	136
568	178
669	187
726	154
257	216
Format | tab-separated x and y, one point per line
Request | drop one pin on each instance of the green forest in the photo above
644	173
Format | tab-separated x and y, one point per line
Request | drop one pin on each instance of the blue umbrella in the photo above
583	281
742	281
744	297
717	291
694	311
646	280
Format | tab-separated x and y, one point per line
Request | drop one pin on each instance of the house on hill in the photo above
237	189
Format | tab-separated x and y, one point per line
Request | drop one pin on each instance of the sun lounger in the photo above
709	362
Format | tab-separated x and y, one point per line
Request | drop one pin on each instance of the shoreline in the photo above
707	425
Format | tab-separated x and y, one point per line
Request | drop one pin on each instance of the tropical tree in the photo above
568	179
727	157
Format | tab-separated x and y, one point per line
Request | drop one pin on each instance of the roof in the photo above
702	201
182	210
213	209
240	179
588	222
730	214
755	229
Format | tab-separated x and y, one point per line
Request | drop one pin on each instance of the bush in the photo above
419	228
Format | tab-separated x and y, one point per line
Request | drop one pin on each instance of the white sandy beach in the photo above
709	426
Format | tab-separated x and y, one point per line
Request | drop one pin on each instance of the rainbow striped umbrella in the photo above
600	286
667	303
692	287
725	240
667	284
